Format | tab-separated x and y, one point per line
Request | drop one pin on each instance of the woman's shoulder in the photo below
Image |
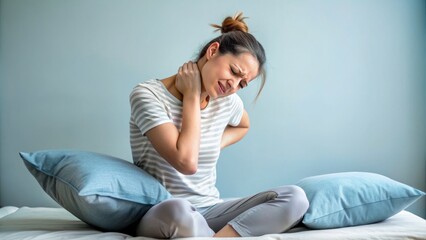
150	83
151	86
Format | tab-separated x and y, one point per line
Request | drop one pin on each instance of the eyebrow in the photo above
239	69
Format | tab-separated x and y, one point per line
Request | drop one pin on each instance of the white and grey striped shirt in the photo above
151	105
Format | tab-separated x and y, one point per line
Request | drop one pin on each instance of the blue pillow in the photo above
106	192
354	198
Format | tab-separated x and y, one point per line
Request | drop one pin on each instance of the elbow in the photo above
188	166
189	169
246	130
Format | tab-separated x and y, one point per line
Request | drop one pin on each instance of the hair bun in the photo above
230	24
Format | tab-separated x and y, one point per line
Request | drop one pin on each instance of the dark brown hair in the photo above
236	39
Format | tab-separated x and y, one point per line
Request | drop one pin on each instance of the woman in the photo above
178	127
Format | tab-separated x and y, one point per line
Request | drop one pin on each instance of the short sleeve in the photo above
237	109
148	109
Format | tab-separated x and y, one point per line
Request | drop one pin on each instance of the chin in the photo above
213	94
216	95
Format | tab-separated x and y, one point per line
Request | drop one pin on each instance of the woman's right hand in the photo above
188	79
180	147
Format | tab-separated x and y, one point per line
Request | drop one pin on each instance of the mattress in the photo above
57	223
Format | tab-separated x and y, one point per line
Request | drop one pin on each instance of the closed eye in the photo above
238	73
234	72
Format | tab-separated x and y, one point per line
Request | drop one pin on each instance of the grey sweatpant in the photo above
273	211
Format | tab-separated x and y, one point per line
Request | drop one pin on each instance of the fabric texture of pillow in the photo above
103	191
354	198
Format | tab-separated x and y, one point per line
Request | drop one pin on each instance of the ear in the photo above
212	50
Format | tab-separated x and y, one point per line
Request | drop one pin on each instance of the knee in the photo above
299	196
174	210
170	219
295	196
160	220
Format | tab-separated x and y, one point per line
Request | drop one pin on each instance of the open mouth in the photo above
221	88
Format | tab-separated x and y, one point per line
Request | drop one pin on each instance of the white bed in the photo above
57	223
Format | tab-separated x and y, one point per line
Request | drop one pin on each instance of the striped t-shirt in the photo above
151	105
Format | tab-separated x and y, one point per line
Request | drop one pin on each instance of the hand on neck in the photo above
169	83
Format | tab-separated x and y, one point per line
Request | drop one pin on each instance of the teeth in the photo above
222	88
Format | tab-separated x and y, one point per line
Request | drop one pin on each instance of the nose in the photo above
233	84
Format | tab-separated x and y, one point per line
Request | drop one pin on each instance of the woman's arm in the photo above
232	134
181	149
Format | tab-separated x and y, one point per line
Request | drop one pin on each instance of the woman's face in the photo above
225	74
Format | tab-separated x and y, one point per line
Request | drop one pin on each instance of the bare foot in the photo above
227	231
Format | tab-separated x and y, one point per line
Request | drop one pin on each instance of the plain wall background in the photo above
346	87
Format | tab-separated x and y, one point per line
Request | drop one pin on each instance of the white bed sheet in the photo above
57	223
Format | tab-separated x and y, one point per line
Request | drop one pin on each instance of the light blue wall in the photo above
346	86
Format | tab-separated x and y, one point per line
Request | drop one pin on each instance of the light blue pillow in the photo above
354	198
106	192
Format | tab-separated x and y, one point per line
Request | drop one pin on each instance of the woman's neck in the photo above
169	83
